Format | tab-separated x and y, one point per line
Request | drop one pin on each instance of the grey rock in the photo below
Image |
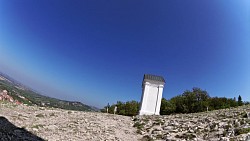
168	128
157	132
237	124
191	131
224	139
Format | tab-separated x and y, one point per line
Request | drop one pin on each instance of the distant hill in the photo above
28	96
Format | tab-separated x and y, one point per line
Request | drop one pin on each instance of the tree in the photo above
130	108
191	101
167	107
240	103
201	99
179	102
247	103
216	103
120	108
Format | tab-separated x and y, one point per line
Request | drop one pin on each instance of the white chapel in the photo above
152	88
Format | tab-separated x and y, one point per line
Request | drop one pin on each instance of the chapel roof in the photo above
151	77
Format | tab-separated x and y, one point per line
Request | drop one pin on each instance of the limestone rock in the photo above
213	125
34	123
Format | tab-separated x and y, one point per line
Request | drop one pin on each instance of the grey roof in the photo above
153	78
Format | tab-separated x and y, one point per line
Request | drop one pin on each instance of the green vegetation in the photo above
244	115
186	136
139	125
197	100
158	122
240	103
241	131
52	114
37	126
194	101
129	108
146	138
40	115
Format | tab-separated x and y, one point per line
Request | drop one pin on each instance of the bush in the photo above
139	125
241	131
40	115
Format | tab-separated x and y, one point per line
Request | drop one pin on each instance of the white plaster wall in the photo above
144	98
158	106
151	99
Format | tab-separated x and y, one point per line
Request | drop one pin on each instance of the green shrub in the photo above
147	138
139	125
37	126
241	131
244	115
40	115
52	114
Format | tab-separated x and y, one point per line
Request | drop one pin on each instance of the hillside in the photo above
26	95
44	123
218	125
33	122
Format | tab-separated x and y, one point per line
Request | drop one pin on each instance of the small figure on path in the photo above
107	108
115	109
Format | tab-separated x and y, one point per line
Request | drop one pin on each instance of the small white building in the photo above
152	88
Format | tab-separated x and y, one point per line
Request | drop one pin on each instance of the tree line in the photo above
129	108
196	100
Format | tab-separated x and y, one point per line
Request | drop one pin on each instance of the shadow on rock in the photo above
9	132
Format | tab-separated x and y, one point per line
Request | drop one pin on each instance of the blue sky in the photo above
96	52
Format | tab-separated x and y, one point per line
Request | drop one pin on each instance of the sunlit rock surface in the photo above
219	125
39	123
64	125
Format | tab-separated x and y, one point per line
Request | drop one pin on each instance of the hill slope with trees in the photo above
28	96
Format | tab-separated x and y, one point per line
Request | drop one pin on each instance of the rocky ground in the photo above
220	125
62	125
20	122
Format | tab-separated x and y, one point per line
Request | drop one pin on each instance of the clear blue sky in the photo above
97	51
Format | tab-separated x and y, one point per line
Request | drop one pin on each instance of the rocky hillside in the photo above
20	122
224	125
